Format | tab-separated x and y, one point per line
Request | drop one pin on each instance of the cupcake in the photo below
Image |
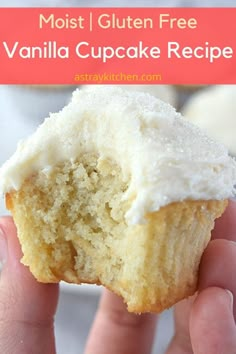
118	189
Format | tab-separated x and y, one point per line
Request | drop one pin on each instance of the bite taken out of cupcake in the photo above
118	189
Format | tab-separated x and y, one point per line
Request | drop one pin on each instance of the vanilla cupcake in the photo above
117	189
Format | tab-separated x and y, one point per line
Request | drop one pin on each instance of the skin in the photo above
203	324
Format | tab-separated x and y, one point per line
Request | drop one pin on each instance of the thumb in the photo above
27	307
212	325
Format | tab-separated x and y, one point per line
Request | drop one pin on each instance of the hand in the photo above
27	307
204	324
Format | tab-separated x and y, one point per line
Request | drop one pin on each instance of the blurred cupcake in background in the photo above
213	110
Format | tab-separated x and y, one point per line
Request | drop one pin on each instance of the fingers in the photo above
27	307
225	226
116	331
212	326
218	266
217	269
181	342
212	318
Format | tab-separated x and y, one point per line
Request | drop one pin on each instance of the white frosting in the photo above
213	110
165	157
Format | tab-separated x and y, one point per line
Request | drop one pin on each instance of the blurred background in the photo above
23	108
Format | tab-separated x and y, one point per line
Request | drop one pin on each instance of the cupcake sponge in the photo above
71	225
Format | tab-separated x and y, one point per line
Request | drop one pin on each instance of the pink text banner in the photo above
117	46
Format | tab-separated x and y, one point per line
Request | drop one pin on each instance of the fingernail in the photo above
231	299
3	247
233	242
